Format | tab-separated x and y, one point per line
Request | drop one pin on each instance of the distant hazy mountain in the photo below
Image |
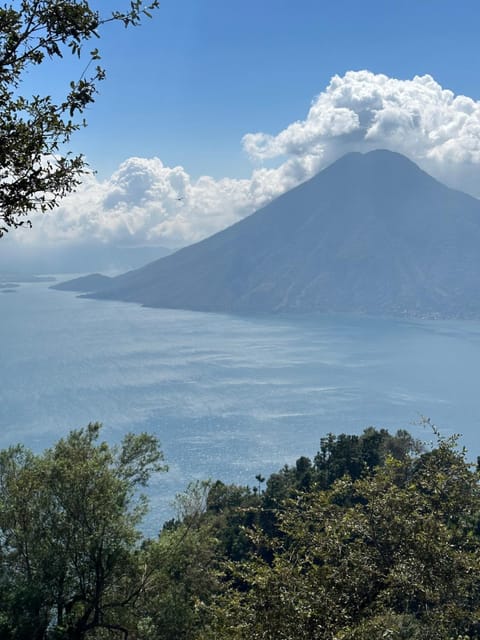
93	282
80	258
371	233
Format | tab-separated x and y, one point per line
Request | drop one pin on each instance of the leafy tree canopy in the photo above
377	538
391	553
70	560
35	172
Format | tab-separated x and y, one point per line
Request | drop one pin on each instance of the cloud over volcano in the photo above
147	202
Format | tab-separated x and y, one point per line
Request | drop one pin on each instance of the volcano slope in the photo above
372	233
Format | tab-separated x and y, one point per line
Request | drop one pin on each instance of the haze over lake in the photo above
228	396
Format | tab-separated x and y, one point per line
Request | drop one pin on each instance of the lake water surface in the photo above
228	396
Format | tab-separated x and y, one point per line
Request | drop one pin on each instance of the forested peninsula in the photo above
377	536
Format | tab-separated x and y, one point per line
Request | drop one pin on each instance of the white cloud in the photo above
362	111
145	201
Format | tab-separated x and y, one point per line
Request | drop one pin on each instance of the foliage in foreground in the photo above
71	563
35	171
392	554
375	538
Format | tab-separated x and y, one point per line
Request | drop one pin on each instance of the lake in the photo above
228	396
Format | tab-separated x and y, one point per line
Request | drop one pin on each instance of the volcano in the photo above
372	233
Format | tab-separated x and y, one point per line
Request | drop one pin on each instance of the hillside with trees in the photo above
377	536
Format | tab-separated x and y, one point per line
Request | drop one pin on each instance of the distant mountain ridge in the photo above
78	258
371	233
92	282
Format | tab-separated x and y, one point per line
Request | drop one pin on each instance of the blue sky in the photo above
187	85
213	108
